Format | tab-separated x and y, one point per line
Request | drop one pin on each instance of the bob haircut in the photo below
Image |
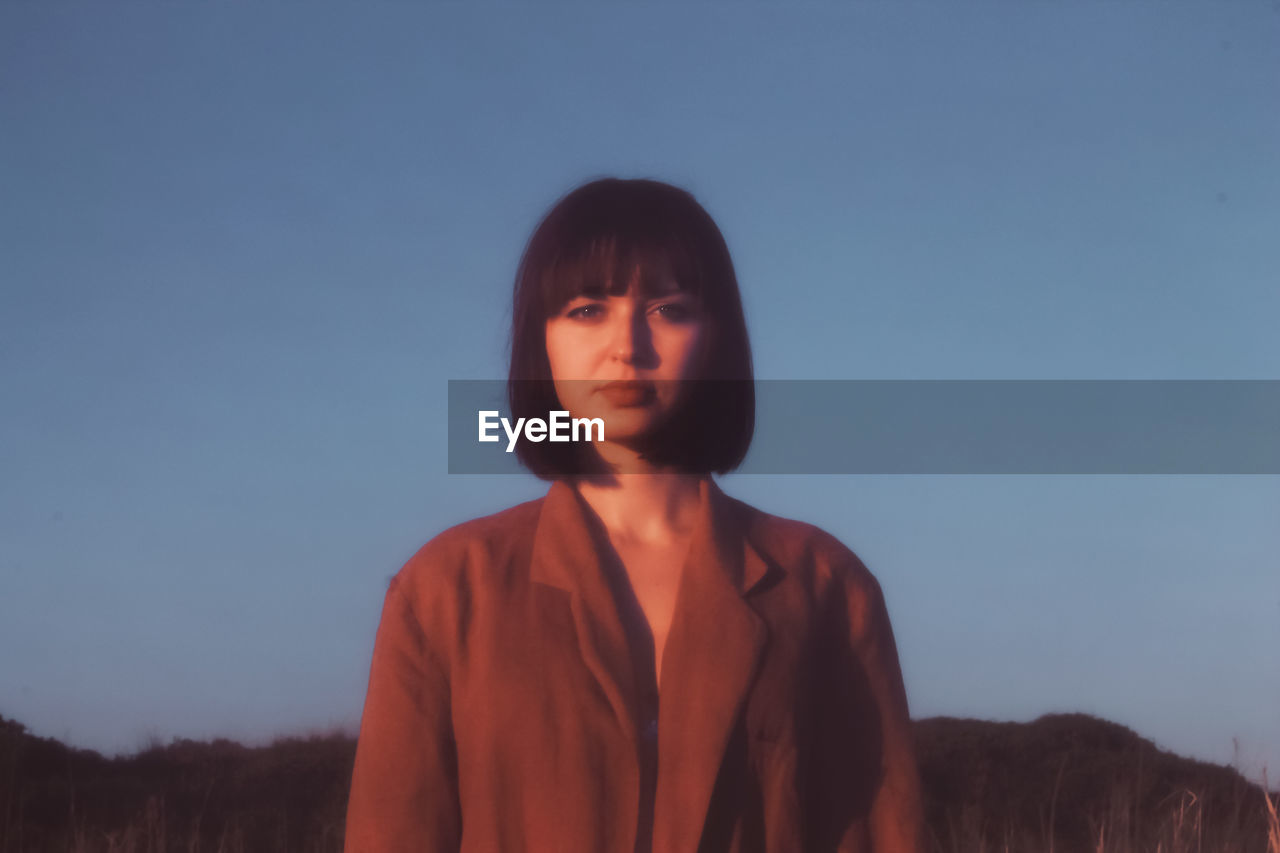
592	242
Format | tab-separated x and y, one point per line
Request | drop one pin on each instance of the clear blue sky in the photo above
244	247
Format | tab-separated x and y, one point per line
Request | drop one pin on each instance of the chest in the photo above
534	699
654	576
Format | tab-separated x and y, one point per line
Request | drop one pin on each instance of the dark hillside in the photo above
1055	783
1076	778
189	795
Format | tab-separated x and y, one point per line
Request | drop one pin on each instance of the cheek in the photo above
686	352
564	354
575	398
569	362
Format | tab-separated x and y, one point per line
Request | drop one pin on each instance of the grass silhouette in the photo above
1064	783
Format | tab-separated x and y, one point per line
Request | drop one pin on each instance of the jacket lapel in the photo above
712	652
566	554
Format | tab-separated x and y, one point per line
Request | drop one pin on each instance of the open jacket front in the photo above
506	710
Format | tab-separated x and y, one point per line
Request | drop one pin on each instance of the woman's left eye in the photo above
674	311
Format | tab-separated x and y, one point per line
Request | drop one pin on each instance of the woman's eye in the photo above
585	312
674	311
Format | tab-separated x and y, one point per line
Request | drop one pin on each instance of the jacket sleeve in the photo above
404	786
896	819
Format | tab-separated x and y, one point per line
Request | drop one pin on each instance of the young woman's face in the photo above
621	358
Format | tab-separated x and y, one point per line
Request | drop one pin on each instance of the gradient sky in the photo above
243	247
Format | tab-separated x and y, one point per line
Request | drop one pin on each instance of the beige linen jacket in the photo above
507	709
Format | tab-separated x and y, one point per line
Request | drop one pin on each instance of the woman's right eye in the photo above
589	311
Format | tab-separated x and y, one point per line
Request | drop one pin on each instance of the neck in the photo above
651	509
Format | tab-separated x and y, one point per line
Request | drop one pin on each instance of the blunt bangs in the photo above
607	247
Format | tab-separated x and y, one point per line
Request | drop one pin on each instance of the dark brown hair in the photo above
591	241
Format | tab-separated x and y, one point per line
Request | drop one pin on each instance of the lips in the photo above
635	392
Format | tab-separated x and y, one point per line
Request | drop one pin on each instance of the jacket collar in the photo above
565	550
712	650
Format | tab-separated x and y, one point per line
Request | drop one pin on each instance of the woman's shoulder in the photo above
805	549
488	540
829	570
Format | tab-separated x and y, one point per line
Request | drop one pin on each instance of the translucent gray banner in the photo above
965	427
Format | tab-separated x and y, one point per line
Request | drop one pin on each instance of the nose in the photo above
631	337
624	343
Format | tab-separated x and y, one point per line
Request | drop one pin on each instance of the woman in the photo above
514	700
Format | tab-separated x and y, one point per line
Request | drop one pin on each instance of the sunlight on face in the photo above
621	358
